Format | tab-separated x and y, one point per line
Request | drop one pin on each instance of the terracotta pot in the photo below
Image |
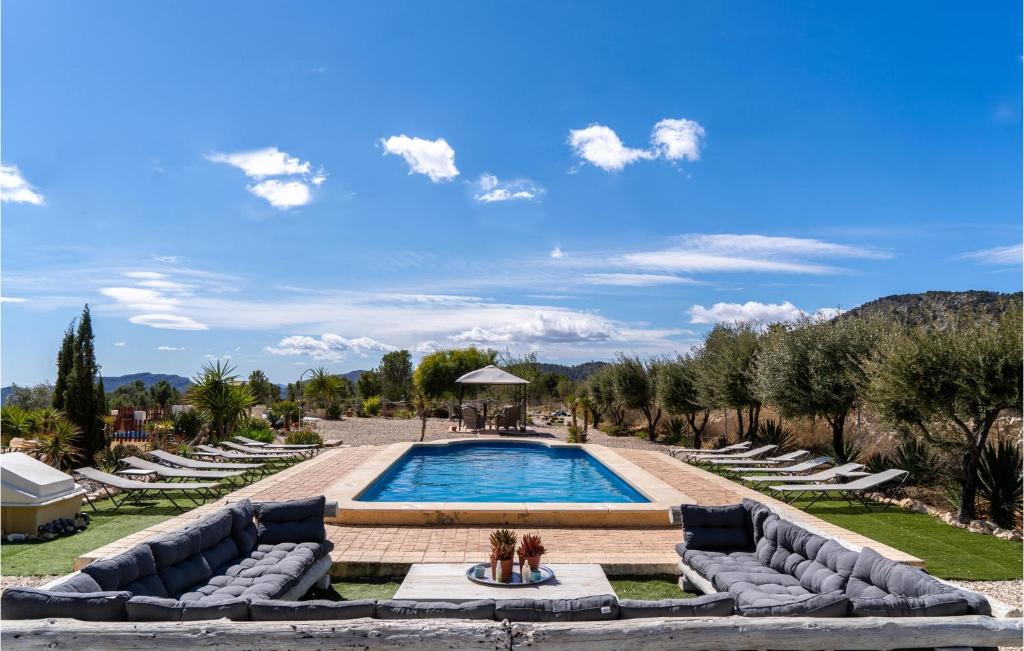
506	570
534	562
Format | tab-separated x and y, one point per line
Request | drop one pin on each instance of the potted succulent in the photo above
503	550
531	549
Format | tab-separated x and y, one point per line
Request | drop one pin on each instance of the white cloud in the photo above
557	253
435	158
427	347
328	347
283	195
168	322
999	256
600	146
755	311
15	189
559	327
736	253
169	348
120	344
261	163
145	275
169	259
154	302
636	280
490	189
12	299
677	139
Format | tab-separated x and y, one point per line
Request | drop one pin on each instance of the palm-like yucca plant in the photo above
220	398
46	418
322	386
675	430
56	447
1001	483
772	432
914	456
15	422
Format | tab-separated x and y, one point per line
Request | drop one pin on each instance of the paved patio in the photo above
388	550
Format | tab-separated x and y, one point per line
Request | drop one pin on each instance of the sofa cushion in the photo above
407	609
710	563
830	568
934	605
719	604
134	571
270	610
179	560
737	581
33	603
292	521
268	572
157	609
759	513
77	582
717	527
585	609
875	577
243	529
776	601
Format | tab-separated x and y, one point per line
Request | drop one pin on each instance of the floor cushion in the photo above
408	609
789	601
719	604
269	610
585	609
158	609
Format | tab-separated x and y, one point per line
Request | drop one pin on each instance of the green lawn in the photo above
352	589
648	587
57	556
948	552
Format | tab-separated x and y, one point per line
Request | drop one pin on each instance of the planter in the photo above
534	562
506	570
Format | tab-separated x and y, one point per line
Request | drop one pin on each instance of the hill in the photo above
938	308
114	381
575	373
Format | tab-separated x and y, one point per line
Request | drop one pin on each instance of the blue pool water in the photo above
498	472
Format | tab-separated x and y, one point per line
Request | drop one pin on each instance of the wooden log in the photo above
386	635
798	633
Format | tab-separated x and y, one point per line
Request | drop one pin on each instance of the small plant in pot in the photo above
531	549
503	550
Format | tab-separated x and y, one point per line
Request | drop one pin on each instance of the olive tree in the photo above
816	369
636	386
952	385
677	392
725	372
600	389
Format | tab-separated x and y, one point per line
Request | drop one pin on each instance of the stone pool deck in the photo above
389	549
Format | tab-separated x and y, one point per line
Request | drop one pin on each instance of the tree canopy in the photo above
395	373
726	372
636	386
436	373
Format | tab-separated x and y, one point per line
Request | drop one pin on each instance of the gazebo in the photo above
493	375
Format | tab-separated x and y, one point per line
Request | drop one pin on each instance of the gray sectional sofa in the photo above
774	567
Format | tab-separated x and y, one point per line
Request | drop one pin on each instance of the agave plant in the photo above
221	399
914	456
15	422
1000	481
674	430
772	432
877	462
849	452
57	446
110	460
503	544
531	546
189	423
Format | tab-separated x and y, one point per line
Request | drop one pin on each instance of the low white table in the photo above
448	582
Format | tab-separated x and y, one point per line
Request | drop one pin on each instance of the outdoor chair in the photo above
312	449
729	448
818	477
770	461
726	458
508	418
167	458
472	419
853	492
295	454
277	460
803	466
133	492
177	473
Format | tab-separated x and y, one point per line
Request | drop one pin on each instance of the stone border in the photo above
975	526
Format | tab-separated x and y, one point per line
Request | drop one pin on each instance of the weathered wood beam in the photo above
799	633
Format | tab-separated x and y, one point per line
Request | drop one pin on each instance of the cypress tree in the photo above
65	360
80	403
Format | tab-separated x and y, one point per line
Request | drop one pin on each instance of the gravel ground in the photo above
24	581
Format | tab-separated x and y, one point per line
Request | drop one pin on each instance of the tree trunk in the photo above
753	419
838	425
971	461
698	431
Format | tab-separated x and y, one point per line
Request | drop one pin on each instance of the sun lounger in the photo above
852	492
178	473
196	464
133	492
817	478
771	461
803	466
729	448
276	460
247	450
726	458
310	450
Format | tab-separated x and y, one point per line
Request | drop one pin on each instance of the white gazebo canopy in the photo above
490	375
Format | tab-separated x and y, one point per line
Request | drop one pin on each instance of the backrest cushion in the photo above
77	582
719	604
293	521
717	527
243	529
821	565
584	609
179	560
133	571
33	603
219	548
830	569
271	610
758	514
408	609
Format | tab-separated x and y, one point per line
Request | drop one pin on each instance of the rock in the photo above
16	537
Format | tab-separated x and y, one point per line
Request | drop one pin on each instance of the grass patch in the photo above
948	552
351	589
58	556
661	586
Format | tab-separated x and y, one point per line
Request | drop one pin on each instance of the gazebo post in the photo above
462	389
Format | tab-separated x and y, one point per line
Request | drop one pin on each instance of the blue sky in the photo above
292	184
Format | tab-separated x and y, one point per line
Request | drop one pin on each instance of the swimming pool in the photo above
481	471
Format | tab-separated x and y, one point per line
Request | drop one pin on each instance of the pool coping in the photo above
656	512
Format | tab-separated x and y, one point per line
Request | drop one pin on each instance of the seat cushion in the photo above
179	560
407	609
270	610
717	527
934	605
585	609
776	601
33	603
133	571
709	563
877	584
292	521
719	604
157	609
268	572
735	582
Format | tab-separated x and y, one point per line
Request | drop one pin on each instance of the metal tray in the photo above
546	574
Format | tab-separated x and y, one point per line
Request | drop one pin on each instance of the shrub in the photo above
57	446
772	432
611	429
372	406
303	437
403	414
674	430
848	450
877	462
188	423
261	435
110	460
333	411
1000	483
914	456
577	435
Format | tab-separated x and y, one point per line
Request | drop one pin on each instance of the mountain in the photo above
575	373
353	376
938	308
114	381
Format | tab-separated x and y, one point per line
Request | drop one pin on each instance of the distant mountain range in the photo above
576	372
938	308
